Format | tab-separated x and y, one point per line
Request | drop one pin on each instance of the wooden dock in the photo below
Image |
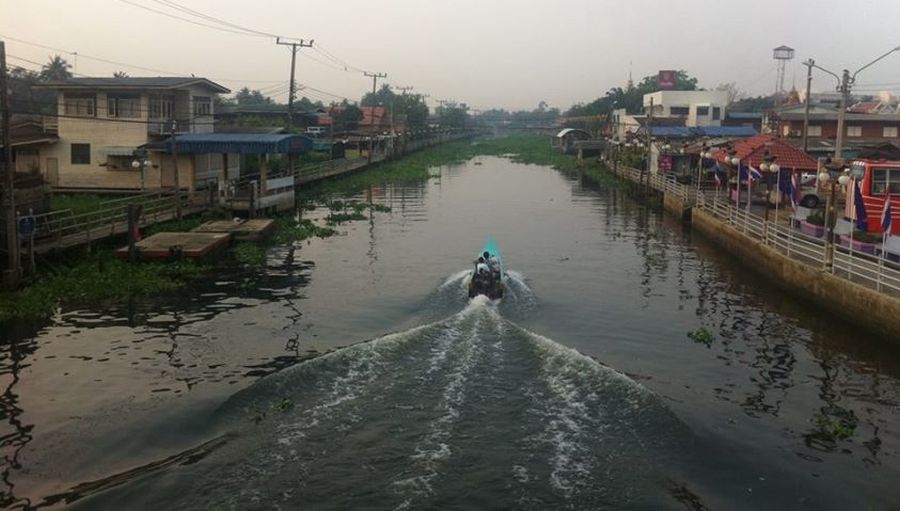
165	246
255	229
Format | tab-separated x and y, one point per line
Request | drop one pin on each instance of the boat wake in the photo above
471	411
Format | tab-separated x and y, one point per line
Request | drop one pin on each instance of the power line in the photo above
173	16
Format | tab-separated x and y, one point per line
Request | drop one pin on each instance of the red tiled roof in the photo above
752	150
370	112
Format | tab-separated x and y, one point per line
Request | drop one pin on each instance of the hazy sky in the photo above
509	53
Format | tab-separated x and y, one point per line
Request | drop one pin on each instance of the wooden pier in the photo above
166	246
255	229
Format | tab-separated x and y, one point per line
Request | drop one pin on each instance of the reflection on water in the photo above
785	408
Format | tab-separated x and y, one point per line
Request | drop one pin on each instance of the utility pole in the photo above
175	168
293	88
12	237
845	83
374	77
809	67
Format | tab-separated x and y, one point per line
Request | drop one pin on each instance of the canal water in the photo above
353	372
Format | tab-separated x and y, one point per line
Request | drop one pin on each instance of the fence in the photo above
65	228
872	271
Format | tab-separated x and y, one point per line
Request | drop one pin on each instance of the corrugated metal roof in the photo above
240	143
133	82
566	131
727	131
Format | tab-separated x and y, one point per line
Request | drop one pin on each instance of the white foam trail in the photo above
435	447
461	276
574	417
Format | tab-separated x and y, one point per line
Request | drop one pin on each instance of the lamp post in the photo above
704	154
141	161
770	168
833	174
845	84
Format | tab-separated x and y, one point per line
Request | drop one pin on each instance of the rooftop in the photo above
752	150
134	82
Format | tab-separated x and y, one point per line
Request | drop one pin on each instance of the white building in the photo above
696	107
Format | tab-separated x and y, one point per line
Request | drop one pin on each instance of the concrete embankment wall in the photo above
868	308
677	207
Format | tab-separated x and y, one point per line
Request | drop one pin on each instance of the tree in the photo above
757	104
346	115
56	69
120	74
253	98
632	100
733	93
24	97
453	115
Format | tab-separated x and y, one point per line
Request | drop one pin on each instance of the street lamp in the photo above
845	83
141	161
831	173
769	168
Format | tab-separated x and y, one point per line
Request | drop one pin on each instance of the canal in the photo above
630	366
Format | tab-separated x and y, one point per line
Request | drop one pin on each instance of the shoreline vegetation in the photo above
88	279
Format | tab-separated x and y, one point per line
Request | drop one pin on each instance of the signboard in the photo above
666	80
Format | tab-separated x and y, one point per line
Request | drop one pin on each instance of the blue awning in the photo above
701	131
240	143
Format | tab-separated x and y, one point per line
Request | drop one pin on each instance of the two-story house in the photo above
860	129
102	123
696	108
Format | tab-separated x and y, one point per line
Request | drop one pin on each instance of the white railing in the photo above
869	270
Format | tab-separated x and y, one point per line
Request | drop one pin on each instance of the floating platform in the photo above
166	246
255	229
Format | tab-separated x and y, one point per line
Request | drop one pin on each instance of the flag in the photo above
886	215
718	179
755	174
862	217
795	190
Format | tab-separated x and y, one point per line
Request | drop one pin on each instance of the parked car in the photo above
316	131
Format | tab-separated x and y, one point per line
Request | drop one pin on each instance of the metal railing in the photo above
62	228
873	271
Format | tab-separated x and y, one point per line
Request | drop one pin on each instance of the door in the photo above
52	174
166	172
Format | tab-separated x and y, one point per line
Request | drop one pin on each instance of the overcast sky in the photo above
488	53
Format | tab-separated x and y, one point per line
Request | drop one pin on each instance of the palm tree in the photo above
120	74
56	69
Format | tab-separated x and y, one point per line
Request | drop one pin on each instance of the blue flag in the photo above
886	214
862	217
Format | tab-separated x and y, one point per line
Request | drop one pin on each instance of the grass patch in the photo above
251	254
289	230
187	223
337	218
90	280
702	336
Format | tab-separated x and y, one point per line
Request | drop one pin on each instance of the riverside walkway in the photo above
862	287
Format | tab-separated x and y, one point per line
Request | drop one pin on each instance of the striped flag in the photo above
755	174
886	215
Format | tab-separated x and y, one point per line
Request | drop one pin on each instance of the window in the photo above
717	113
680	110
814	131
885	179
123	105
81	105
202	106
854	131
702	110
161	107
81	154
889	132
